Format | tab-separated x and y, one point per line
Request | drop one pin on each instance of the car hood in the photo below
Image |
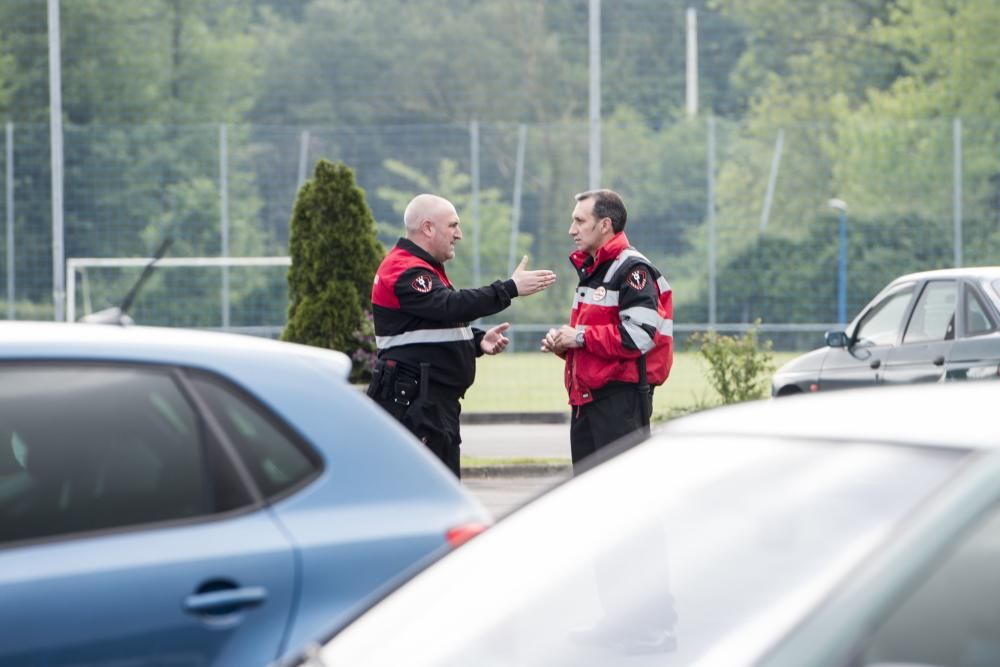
810	361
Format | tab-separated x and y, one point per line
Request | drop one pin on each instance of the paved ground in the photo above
501	441
501	495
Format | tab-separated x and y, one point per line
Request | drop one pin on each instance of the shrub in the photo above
738	368
335	254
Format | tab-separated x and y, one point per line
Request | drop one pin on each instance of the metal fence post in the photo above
595	94
474	167
56	141
956	133
710	219
515	214
303	156
224	204
10	221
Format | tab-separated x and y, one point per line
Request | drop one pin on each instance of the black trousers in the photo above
433	418
615	412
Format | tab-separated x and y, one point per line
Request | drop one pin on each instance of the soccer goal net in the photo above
245	294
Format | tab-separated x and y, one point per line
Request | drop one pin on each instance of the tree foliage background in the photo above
864	93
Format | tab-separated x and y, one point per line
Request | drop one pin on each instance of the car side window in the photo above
977	317
933	317
88	447
881	324
951	616
274	458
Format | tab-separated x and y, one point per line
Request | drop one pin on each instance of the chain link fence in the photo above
199	121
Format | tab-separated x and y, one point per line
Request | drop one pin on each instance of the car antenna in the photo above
119	314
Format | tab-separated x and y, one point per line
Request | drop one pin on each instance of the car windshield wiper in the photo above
119	314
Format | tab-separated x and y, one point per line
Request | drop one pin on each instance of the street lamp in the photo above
841	206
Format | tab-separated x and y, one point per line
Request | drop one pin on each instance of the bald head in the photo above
425	207
432	223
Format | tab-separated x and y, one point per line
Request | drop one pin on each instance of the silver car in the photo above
923	327
850	529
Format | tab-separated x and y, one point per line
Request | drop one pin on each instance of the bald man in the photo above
426	349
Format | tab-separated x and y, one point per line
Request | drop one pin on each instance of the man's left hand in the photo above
494	342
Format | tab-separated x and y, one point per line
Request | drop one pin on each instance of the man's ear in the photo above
427	227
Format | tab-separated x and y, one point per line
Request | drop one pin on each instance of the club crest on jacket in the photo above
422	283
636	278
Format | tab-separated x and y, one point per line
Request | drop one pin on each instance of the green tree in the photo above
136	77
661	175
806	66
948	72
335	255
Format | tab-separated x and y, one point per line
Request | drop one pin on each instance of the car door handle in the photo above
224	601
939	361
875	363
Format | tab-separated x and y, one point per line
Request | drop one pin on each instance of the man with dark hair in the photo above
426	349
618	345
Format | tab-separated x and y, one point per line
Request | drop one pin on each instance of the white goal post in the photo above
81	264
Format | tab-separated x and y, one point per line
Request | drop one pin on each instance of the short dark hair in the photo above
607	204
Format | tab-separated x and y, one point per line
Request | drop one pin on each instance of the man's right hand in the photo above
550	344
529	282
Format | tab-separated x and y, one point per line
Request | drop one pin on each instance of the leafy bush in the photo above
335	254
738	368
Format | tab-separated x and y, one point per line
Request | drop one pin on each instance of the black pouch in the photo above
404	392
376	384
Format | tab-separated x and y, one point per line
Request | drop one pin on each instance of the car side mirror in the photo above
836	339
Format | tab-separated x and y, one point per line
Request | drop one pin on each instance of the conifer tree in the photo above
335	254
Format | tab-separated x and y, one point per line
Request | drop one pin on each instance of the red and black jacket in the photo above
624	306
420	317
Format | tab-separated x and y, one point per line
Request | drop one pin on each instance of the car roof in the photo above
56	340
942	414
989	272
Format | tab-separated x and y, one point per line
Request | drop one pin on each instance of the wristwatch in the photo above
579	337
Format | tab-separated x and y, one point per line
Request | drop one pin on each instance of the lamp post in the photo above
841	206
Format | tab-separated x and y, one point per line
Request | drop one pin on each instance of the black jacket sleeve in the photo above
423	294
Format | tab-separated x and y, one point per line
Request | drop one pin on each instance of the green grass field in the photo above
533	382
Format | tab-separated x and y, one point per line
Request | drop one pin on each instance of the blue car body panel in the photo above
119	598
380	503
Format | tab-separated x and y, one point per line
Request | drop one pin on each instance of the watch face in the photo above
579	338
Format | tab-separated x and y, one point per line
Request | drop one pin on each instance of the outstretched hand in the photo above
494	342
529	282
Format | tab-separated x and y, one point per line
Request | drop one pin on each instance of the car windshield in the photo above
701	539
996	292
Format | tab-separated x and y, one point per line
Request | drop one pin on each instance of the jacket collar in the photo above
409	246
585	264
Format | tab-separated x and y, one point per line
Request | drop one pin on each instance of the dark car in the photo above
923	327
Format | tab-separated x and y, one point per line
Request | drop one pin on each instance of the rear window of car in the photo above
275	458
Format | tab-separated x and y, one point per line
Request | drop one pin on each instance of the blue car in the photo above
174	497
